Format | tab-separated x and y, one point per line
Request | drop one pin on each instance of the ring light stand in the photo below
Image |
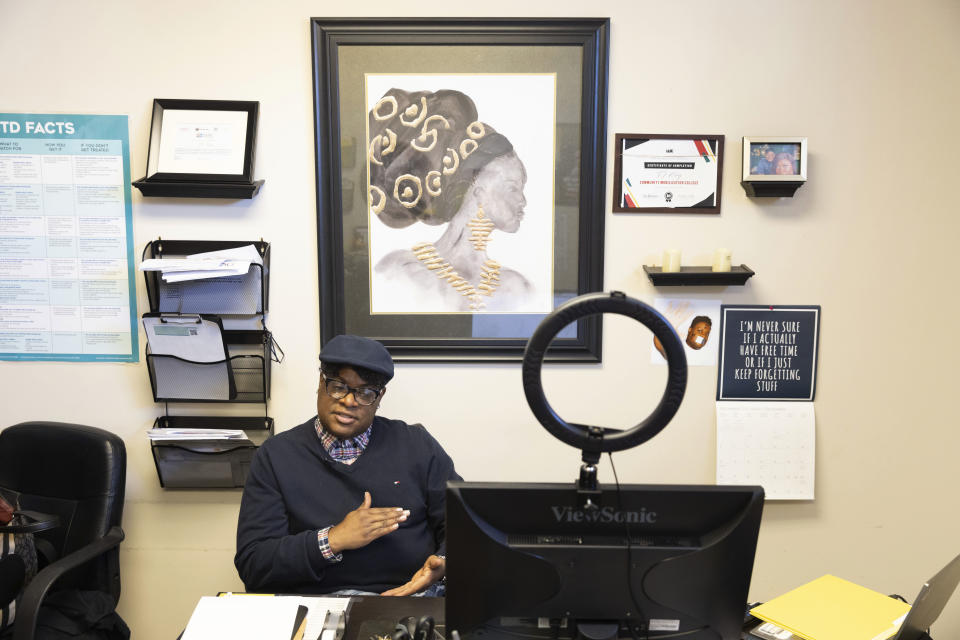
595	441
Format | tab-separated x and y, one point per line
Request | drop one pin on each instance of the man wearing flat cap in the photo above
348	502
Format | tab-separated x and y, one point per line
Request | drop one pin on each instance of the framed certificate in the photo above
655	173
202	140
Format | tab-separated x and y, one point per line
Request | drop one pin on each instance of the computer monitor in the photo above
519	554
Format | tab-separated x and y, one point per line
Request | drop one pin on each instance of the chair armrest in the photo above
25	624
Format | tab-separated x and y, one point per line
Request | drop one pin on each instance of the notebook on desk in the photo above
830	608
246	616
253	618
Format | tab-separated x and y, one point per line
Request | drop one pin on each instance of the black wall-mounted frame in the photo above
344	50
160	108
229	184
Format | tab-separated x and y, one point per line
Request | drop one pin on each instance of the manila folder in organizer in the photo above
189	358
830	608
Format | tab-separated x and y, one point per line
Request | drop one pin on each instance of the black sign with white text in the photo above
768	352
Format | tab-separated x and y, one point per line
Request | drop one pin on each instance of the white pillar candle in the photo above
671	261
721	260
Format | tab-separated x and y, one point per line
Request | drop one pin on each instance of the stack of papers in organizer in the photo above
212	264
830	608
196	434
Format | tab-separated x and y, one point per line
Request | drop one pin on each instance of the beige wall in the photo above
871	237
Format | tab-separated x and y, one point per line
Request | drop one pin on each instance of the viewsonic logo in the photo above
604	515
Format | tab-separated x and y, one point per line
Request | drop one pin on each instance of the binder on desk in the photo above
188	357
324	617
246	619
830	608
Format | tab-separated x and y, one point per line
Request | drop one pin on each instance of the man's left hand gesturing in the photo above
432	571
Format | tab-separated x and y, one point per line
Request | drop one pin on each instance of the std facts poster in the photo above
66	239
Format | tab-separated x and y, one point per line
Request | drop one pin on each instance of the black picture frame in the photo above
160	108
763	346
714	146
346	49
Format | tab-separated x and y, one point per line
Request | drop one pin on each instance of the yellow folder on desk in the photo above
830	608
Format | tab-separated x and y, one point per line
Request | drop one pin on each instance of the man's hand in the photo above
363	525
432	571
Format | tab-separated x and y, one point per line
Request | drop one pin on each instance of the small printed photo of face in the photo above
693	320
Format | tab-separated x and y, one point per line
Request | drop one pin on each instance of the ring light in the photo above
598	440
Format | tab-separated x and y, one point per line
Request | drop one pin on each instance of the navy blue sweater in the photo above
295	488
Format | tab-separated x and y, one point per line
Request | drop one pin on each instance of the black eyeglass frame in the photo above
349	390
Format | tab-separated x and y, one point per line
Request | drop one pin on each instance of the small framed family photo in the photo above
774	159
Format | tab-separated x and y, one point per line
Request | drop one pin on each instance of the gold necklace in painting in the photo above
489	275
480	229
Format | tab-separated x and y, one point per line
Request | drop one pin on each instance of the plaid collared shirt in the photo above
345	451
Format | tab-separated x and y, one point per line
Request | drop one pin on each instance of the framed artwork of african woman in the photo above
460	182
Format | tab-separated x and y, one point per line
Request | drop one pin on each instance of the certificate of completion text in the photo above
669	173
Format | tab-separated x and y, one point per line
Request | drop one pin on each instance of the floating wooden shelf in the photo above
691	276
235	190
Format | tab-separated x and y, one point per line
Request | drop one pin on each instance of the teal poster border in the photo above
45	127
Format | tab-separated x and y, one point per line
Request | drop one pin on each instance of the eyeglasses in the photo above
339	390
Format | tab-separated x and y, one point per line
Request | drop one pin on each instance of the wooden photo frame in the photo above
660	173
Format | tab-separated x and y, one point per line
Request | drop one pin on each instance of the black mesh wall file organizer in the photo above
244	376
231	295
208	464
237	305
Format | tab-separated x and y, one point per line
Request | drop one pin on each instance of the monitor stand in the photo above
597	630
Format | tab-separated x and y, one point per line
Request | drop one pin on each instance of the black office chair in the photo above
77	473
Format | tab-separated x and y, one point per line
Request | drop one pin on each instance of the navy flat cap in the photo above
360	352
